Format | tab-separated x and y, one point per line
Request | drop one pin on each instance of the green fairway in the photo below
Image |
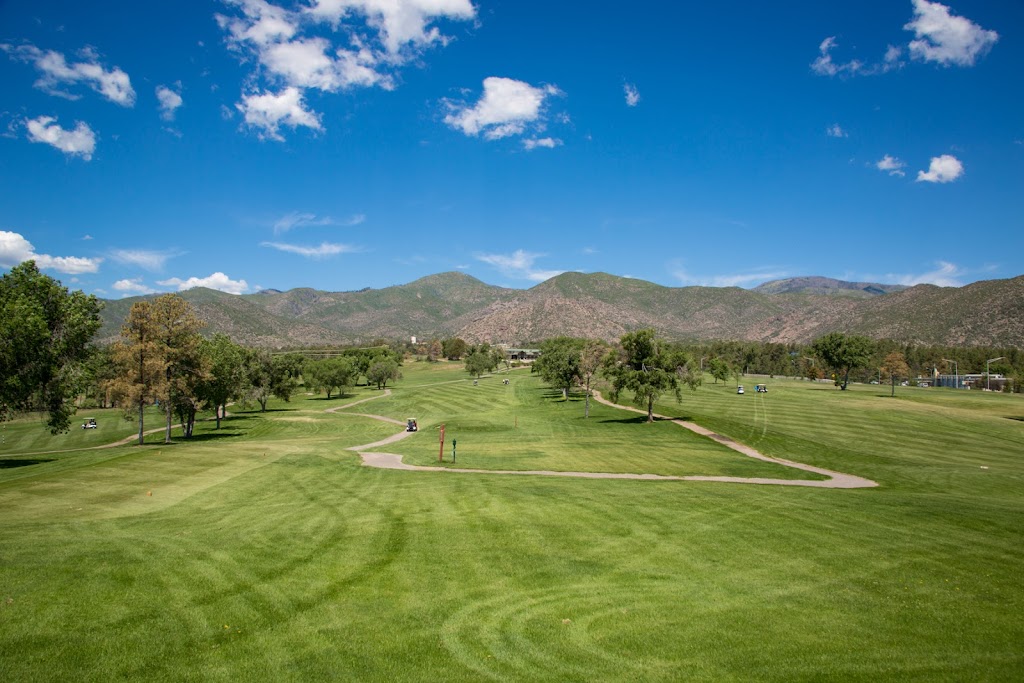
265	551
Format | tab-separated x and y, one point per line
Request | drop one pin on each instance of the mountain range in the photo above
606	306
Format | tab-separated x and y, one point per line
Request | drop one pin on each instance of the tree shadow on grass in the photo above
556	395
643	419
1018	418
21	462
253	412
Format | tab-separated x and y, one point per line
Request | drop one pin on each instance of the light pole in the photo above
956	373
988	378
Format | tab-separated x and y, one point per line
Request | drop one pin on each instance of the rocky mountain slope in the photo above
606	306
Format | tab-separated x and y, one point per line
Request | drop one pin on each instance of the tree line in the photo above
48	360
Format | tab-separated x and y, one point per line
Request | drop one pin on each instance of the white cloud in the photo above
376	36
325	249
297	219
943	169
263	23
632	95
218	281
78	142
824	65
144	258
945	275
731	280
945	38
399	24
113	84
267	112
891	165
132	287
836	131
15	249
169	101
534	143
306	64
300	219
519	265
940	37
506	108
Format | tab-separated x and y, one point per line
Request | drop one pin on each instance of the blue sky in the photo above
342	144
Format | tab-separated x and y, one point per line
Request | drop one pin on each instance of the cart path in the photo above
392	461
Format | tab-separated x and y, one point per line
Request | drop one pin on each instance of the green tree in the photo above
843	353
227	376
180	345
559	363
648	367
453	349
383	370
719	369
895	366
268	375
45	332
479	362
591	356
292	364
330	374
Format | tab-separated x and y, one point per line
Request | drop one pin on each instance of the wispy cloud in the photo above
15	249
218	281
945	274
301	219
133	287
545	143
891	165
632	95
939	36
836	131
518	265
55	71
729	280
943	169
324	250
169	101
147	259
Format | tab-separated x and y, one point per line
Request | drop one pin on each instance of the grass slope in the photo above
265	552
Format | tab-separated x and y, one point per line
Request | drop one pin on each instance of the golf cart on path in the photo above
411	426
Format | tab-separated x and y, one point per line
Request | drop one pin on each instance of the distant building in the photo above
522	354
968	381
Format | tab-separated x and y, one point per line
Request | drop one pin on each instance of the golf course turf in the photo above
266	551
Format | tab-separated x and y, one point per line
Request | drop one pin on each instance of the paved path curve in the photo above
392	461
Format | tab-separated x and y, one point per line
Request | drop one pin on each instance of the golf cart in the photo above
90	423
739	389
761	388
411	426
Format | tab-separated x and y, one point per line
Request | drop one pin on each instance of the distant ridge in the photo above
606	306
826	286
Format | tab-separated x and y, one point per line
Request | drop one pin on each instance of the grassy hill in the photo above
606	306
